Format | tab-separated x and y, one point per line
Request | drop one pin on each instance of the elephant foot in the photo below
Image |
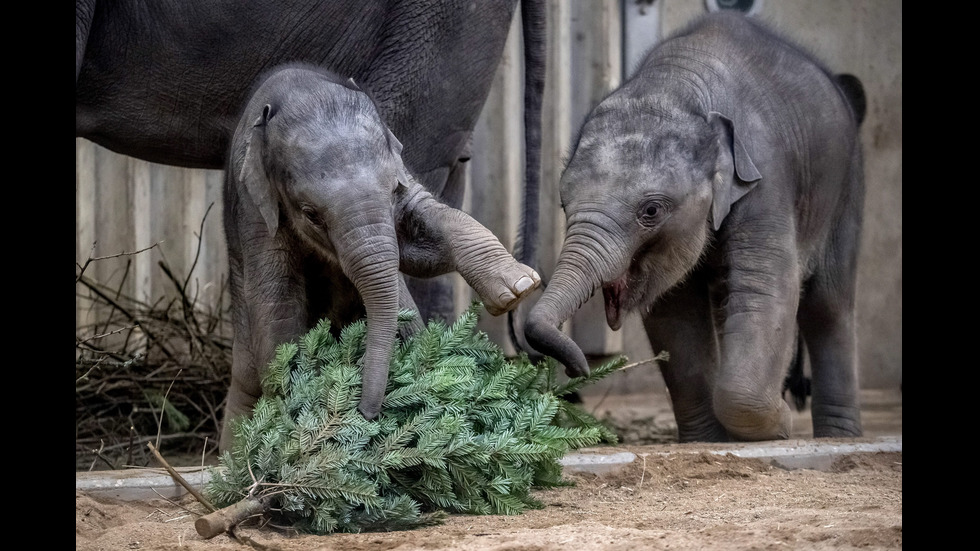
708	429
840	422
696	421
715	435
836	432
508	287
227	437
751	418
238	404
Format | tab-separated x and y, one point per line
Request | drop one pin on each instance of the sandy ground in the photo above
674	496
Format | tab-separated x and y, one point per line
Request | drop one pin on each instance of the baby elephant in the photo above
719	192
322	218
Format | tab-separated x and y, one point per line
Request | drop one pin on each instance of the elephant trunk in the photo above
371	262
582	267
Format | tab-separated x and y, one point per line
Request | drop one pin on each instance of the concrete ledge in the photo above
598	463
146	484
816	455
139	484
786	454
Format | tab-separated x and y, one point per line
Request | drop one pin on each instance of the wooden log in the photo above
222	520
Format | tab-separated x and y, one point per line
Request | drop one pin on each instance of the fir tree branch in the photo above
603	371
463	429
179	479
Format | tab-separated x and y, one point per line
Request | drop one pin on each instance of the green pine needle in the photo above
463	429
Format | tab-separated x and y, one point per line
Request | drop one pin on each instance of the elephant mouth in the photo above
615	294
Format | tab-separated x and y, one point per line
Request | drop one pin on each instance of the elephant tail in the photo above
854	91
796	381
534	24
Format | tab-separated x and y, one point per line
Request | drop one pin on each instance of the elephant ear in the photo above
396	151
253	175
736	174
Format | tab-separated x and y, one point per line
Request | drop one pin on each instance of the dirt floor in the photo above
674	496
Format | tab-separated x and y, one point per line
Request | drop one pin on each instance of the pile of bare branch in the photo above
154	373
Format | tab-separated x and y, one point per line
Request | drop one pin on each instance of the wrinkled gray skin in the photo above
719	192
320	216
165	81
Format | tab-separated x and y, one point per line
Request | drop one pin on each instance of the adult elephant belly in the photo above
166	82
167	85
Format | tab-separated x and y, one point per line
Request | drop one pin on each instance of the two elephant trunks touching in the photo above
718	192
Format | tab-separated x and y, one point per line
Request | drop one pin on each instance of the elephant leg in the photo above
454	193
830	339
84	13
436	239
827	321
269	307
757	337
501	281
254	346
681	324
244	390
435	296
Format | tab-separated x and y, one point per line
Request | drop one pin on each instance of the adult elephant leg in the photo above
84	12
407	302
433	297
681	324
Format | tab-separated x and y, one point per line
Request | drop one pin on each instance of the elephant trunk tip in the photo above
369	411
549	340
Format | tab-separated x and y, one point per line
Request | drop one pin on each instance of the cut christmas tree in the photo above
463	429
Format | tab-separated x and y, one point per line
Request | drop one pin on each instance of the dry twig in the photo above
147	371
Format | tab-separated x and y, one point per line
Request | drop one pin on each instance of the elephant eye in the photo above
312	216
651	212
